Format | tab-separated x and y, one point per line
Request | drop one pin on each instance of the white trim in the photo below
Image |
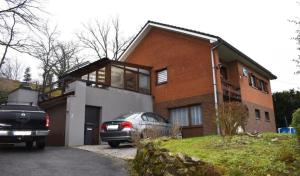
147	28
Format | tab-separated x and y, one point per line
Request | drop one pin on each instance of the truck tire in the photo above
29	144
113	144
41	144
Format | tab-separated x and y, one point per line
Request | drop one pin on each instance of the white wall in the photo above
113	102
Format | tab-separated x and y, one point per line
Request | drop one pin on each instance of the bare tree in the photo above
98	38
119	44
16	14
65	57
12	70
43	49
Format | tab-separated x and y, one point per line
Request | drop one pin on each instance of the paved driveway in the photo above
124	151
58	161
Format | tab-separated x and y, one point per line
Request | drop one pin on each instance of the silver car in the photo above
127	127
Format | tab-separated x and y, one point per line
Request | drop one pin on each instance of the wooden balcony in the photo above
230	92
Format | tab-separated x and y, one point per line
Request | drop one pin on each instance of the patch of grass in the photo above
243	155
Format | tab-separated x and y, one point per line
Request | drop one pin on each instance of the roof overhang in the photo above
229	53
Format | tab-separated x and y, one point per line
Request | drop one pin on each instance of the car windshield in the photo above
127	116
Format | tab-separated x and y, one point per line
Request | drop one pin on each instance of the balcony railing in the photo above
230	92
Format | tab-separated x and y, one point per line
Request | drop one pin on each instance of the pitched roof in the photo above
211	38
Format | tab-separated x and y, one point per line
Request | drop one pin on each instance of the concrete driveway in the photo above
58	161
124	151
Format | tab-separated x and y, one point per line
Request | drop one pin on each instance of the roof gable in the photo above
211	38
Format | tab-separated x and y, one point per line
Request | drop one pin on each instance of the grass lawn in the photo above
273	154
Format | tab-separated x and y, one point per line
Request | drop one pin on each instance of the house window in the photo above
117	77
92	76
84	77
267	116
131	80
162	76
144	83
252	80
187	116
257	114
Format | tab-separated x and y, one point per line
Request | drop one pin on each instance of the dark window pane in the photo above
144	83
257	114
131	80
267	116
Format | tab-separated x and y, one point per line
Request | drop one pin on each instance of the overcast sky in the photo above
260	29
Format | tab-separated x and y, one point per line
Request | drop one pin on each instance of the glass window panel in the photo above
101	75
84	77
162	76
196	115
180	116
131	80
117	77
144	83
92	76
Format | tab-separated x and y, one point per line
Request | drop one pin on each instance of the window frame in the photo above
267	119
157	72
189	115
259	115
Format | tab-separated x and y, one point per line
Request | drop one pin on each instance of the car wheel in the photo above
41	144
113	144
29	144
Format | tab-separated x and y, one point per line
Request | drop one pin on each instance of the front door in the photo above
91	126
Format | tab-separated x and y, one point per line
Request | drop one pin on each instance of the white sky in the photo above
260	29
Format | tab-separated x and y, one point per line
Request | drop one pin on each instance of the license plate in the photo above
22	133
112	127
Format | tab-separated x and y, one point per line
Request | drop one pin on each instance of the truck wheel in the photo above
41	144
113	144
29	144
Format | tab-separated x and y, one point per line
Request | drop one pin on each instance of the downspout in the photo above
215	85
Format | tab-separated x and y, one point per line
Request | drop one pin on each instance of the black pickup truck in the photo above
23	123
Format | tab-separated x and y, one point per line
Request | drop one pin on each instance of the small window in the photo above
162	76
257	114
267	116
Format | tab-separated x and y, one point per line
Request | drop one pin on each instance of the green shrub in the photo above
296	122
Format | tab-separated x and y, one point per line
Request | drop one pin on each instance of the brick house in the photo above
179	73
194	71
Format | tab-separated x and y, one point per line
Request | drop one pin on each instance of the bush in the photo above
296	122
232	116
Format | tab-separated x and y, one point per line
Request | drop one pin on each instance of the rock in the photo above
274	139
152	160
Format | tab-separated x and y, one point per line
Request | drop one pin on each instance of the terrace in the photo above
102	74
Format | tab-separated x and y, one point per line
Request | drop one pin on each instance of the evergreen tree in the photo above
27	75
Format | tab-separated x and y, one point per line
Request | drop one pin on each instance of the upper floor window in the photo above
258	83
162	76
257	114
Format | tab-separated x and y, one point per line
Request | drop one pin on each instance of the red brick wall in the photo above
188	62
